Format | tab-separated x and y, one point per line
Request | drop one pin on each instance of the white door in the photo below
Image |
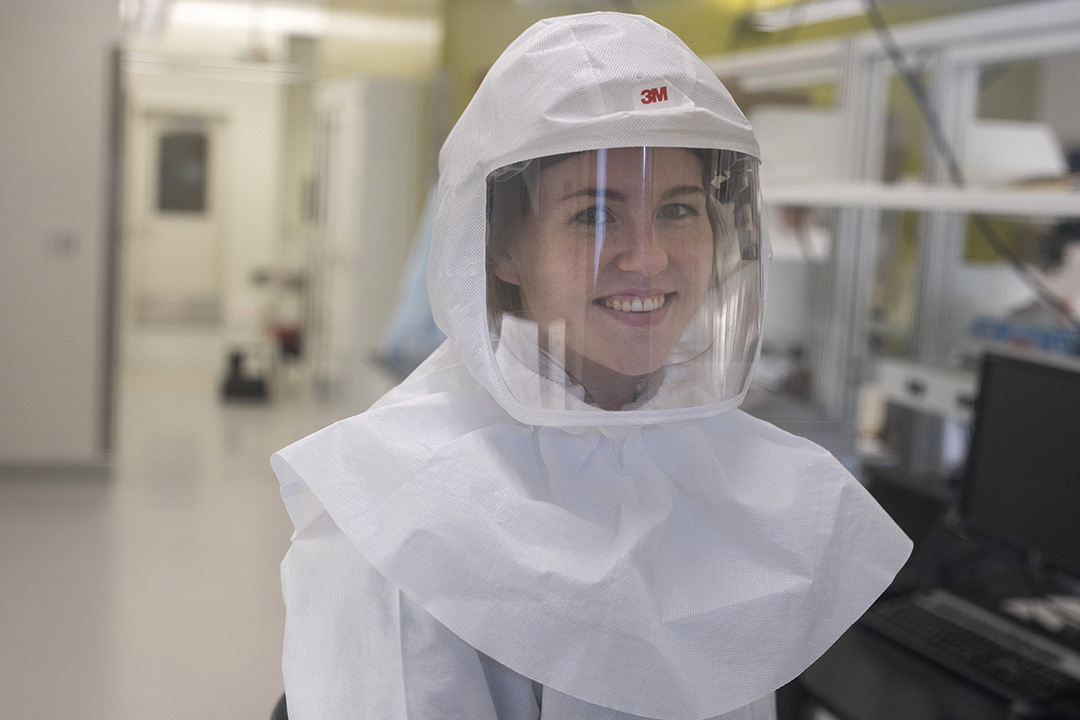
176	229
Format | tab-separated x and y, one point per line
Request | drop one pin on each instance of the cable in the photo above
956	174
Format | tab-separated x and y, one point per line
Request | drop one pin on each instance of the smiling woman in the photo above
612	260
561	514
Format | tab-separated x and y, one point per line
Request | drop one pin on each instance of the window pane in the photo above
182	178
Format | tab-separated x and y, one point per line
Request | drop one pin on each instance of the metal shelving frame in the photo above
950	50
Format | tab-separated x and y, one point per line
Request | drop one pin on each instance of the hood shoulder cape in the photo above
677	571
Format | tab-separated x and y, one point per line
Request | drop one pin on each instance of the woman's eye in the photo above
677	211
590	216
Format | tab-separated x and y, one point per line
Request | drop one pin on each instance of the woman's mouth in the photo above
630	304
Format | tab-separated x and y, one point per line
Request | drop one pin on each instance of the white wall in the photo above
252	109
54	110
1061	97
372	145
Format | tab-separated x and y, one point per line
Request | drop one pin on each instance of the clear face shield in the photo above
625	278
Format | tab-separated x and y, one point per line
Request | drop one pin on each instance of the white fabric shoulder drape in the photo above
357	648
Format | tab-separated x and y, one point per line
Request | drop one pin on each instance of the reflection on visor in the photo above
624	278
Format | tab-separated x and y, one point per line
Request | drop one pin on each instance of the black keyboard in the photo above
977	644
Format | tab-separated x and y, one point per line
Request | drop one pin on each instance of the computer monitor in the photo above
1022	484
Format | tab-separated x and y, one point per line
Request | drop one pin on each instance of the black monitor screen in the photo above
1023	474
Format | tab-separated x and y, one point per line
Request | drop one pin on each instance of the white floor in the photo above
152	593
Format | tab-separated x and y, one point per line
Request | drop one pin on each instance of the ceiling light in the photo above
305	20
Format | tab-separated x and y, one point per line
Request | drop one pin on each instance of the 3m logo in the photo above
657	93
653	95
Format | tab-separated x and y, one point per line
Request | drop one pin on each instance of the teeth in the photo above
636	305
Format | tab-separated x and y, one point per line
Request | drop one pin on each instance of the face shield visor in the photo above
625	278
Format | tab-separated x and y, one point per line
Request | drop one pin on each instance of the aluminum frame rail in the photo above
951	48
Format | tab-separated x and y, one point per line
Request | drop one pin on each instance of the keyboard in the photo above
979	645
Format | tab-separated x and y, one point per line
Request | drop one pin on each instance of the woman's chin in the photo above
628	368
635	356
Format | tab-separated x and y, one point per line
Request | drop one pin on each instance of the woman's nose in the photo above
641	250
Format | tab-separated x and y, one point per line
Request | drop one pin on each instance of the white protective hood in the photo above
661	565
565	85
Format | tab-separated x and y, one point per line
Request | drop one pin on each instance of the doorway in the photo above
176	205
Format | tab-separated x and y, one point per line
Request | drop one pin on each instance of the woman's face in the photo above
615	263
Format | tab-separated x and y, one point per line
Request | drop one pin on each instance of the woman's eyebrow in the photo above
682	190
616	196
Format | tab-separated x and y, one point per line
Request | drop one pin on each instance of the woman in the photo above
561	513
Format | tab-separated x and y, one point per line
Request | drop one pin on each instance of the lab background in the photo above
213	222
